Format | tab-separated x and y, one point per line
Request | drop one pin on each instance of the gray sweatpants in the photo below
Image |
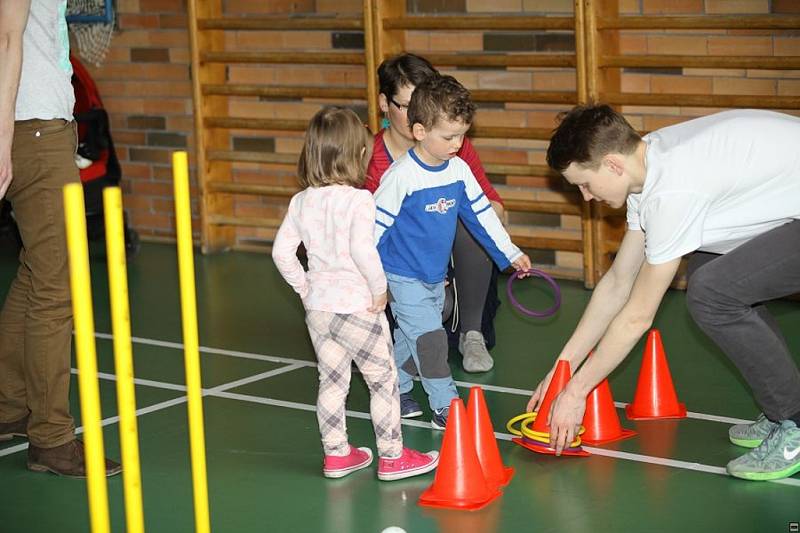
725	297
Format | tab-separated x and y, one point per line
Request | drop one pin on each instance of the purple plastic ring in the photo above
524	310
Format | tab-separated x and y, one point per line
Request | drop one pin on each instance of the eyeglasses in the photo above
401	107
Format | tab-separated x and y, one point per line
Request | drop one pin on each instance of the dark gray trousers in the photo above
726	296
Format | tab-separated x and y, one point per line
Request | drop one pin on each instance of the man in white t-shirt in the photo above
726	188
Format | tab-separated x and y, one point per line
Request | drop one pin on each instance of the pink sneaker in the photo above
339	466
410	463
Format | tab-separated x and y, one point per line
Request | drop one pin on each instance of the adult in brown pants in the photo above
37	146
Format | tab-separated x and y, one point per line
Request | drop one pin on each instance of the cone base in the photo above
629	412
546	450
508	473
625	434
427	499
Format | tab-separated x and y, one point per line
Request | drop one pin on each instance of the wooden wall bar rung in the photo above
546	243
501	60
271	91
528	206
500	132
305	58
252	157
282	23
703	100
752	62
520	170
258	189
479	23
249	222
255	123
704	22
529	97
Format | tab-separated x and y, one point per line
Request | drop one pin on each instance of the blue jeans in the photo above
420	342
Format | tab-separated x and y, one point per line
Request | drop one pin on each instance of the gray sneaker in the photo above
776	458
751	435
473	347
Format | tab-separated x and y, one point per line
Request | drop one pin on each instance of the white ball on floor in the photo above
394	529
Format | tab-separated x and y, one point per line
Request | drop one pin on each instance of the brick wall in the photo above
145	84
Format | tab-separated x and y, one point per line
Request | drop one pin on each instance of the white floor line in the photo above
465	384
672	463
221	392
166	404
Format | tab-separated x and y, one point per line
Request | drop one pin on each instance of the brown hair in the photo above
440	96
588	133
336	150
401	70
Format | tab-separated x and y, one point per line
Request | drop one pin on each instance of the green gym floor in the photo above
263	449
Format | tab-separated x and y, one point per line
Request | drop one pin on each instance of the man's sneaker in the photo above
410	463
336	466
777	457
409	408
9	430
67	460
753	434
439	417
473	348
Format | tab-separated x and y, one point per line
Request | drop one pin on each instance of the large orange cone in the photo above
601	420
559	380
485	442
459	482
655	394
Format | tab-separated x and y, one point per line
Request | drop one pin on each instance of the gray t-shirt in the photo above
715	182
45	86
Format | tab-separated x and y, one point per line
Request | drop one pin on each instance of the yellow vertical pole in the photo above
80	284
123	359
183	223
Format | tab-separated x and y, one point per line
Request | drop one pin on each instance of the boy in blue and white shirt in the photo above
419	201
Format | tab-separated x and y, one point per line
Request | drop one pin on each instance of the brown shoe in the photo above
9	430
65	460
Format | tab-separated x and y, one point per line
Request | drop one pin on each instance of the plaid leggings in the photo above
340	339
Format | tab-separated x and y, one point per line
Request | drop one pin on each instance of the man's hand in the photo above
566	416
378	303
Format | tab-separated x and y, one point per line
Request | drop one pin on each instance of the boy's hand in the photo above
378	303
522	263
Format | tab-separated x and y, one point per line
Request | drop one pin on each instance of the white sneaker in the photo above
473	348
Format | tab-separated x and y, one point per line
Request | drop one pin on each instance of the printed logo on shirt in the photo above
441	206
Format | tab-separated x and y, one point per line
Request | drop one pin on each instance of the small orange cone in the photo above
601	420
459	482
485	441
559	380
655	394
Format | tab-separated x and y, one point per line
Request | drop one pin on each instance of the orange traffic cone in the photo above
655	394
601	420
485	441
559	380
459	482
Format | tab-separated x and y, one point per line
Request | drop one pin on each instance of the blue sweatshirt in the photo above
418	207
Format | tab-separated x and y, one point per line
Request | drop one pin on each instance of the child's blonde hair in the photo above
336	151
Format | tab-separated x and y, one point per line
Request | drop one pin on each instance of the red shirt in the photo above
381	160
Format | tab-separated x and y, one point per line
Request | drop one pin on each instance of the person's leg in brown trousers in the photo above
36	320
